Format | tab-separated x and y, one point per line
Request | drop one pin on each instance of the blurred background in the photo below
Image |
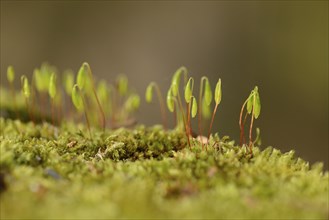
281	46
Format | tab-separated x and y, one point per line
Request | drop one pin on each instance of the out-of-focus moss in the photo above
56	172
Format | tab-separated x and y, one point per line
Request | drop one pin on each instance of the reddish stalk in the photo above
200	110
103	121
240	123
70	108
188	110
33	98
59	113
52	111
101	110
43	98
212	121
251	124
162	105
12	88
28	110
188	113
184	119
243	124
250	131
175	116
86	116
113	105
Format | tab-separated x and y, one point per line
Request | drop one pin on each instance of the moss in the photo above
57	172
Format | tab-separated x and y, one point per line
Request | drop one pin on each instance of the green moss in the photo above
57	172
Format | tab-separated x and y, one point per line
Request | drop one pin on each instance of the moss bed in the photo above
146	172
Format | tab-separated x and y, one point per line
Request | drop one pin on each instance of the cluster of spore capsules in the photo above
113	105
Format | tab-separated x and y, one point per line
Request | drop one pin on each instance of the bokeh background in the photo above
281	46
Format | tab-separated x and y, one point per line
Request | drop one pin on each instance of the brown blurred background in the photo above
281	46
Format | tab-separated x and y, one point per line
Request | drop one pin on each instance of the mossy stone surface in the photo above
58	172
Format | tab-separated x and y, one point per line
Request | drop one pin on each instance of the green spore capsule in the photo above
207	93
188	90
76	98
194	107
25	86
218	92
82	76
170	101
52	86
10	74
149	93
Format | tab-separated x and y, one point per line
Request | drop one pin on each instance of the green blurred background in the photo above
281	46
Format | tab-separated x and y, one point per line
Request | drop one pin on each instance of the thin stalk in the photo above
118	104
243	125
113	104
250	131
162	105
240	122
12	88
98	102
200	110
175	116
212	121
251	124
70	107
60	105
184	120
33	98
42	103
67	108
85	113
188	110
59	113
179	98
52	111
43	97
188	113
28	109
